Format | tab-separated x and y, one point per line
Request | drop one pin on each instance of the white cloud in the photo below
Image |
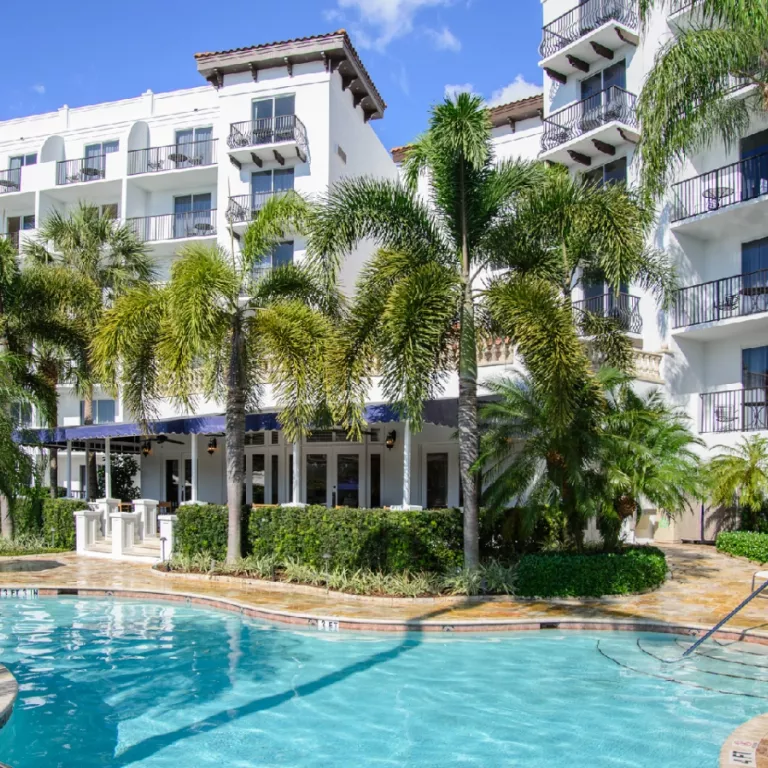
519	88
376	23
452	91
444	39
39	89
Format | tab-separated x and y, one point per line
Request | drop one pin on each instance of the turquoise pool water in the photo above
113	683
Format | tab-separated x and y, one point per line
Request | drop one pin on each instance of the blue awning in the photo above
440	412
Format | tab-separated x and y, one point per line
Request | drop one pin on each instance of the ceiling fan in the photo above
146	447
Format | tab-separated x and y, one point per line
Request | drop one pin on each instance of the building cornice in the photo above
335	50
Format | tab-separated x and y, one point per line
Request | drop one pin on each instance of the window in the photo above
103	411
755	367
273	119
254	438
186	493
266	183
754	268
615	75
275	437
258	478
21	415
108	210
437	480
280	256
194	146
21	160
102	148
192	215
754	157
614	172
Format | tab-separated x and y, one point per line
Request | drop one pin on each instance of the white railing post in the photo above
146	510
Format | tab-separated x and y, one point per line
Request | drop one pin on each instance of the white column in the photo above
69	469
297	472
407	465
86	494
194	466
107	468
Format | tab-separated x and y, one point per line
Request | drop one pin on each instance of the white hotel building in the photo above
194	164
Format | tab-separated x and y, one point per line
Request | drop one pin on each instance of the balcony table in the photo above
715	194
203	227
755	293
178	158
91	172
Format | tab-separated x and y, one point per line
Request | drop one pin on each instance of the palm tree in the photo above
242	326
420	301
102	259
739	474
431	252
685	103
646	452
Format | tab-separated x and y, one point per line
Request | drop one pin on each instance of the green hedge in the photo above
37	515
634	569
203	528
744	544
377	539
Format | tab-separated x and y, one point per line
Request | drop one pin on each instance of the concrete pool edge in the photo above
747	744
331	622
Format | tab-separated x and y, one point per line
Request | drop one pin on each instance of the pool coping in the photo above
747	744
332	623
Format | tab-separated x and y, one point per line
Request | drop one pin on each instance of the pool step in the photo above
736	669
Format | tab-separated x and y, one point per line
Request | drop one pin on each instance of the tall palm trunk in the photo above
90	456
467	416
49	370
235	441
6	523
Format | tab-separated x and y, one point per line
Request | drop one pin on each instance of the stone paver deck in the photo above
703	587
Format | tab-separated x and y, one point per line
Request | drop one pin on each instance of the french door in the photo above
192	215
334	477
195	145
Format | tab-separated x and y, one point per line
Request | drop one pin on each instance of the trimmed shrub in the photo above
744	544
27	516
378	539
202	528
634	569
59	521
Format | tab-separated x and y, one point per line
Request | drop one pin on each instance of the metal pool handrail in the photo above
720	623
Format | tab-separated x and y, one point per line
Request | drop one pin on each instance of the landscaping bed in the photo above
396	554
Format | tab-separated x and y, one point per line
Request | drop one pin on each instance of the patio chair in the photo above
759	576
728	303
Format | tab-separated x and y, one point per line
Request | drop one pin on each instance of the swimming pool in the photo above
147	684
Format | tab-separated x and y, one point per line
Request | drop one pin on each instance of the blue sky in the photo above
414	49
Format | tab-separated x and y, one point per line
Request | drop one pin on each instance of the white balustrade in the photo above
167	535
147	511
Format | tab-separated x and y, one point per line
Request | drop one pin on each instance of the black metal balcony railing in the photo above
172	226
622	308
735	410
735	183
267	130
13	238
612	104
676	6
583	19
244	207
83	169
735	296
10	180
193	154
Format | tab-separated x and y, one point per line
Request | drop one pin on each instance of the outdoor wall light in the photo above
212	446
146	448
390	441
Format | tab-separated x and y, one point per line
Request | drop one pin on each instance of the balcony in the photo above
702	204
243	208
10	180
592	129
735	410
267	139
13	238
587	35
174	226
83	169
622	308
158	166
684	13
700	307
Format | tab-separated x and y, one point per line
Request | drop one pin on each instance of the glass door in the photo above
194	147
172	482
437	480
755	382
754	271
186	491
285	109
754	164
263	114
347	480
258	478
316	478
